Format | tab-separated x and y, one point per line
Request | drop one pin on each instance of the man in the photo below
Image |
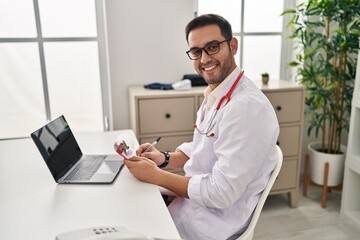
233	152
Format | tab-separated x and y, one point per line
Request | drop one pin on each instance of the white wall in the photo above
146	44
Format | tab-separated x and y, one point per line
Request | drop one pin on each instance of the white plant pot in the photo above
317	165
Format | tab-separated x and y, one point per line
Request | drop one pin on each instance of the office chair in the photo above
249	232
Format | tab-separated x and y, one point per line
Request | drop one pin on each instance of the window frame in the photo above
285	73
104	70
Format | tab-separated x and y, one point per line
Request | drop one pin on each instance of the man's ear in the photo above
234	45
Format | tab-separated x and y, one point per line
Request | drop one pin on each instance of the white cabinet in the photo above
350	203
171	115
288	102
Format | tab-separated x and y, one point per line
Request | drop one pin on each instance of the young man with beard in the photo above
233	152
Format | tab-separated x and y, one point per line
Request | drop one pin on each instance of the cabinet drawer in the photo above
287	105
289	140
168	143
201	99
166	115
287	176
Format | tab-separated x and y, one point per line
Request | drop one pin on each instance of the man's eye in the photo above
196	52
212	48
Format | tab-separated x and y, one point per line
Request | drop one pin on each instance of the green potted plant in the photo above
326	33
265	78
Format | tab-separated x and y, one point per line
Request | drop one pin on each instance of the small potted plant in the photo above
265	78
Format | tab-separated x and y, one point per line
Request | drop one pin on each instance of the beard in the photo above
224	69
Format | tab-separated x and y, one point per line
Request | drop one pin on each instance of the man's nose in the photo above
204	56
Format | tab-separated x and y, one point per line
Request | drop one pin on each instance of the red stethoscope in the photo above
227	97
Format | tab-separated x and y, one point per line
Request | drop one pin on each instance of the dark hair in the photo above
209	19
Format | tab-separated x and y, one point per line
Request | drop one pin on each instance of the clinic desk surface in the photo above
33	206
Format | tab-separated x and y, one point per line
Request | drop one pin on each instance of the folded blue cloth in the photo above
161	86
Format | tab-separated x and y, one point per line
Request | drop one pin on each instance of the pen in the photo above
152	145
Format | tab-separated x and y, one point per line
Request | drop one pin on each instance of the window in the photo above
52	58
259	28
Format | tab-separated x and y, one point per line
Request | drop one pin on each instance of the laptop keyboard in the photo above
86	168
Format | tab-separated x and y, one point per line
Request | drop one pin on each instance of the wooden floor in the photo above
306	222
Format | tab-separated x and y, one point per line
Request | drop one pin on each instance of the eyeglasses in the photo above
210	49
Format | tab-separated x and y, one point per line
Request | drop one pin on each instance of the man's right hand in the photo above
154	154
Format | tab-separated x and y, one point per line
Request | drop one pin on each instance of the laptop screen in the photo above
58	146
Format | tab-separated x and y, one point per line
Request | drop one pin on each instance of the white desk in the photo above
33	206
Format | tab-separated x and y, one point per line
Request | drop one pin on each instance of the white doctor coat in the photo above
230	170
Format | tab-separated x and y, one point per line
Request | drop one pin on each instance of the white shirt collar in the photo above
212	95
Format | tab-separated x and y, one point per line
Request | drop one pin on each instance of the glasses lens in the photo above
195	53
212	48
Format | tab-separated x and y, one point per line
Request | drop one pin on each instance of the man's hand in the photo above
143	169
147	171
154	154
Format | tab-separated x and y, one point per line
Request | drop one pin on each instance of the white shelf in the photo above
353	162
356	102
353	215
354	133
350	203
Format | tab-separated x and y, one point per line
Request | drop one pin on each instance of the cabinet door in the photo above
287	176
287	105
200	100
289	140
166	115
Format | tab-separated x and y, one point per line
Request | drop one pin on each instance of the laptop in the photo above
65	159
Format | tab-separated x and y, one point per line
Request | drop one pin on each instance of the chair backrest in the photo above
249	232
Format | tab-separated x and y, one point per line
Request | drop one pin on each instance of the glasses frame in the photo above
204	49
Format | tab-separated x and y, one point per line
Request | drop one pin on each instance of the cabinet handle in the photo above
278	108
167	115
